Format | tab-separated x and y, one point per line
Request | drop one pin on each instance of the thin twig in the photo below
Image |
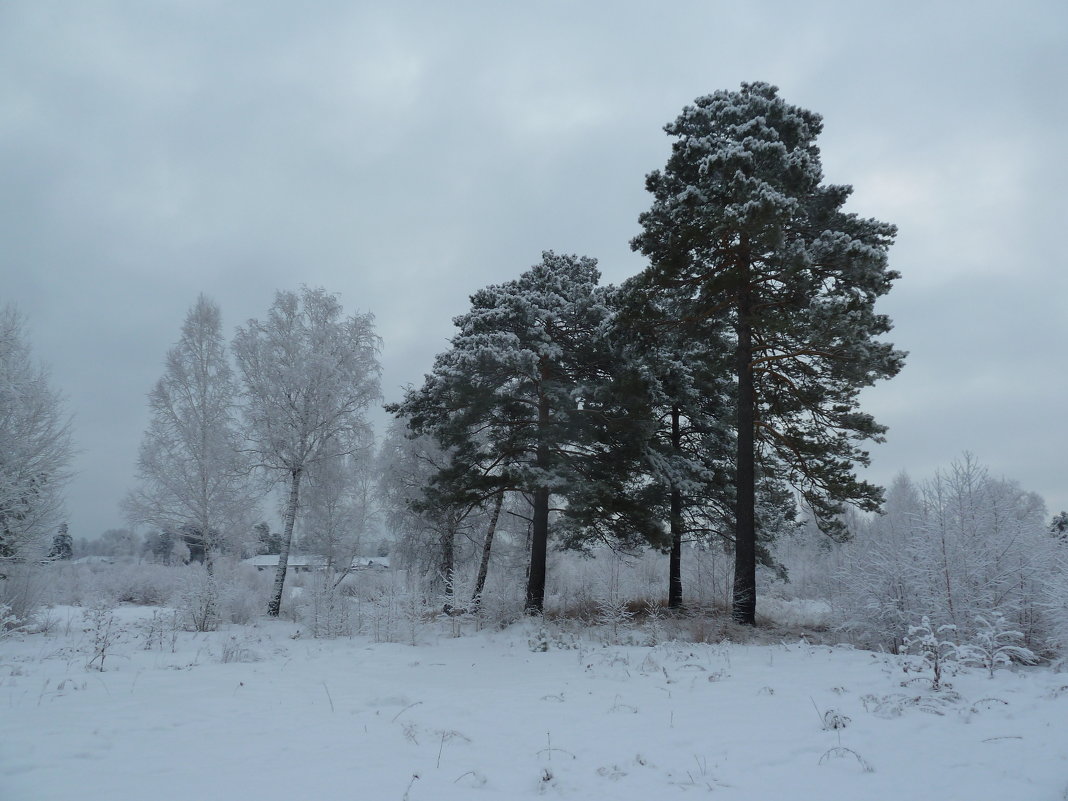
403	711
548	750
818	713
415	776
839	751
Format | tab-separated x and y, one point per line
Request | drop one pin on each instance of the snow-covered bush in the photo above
553	635
936	648
142	583
138	583
615	616
932	649
995	645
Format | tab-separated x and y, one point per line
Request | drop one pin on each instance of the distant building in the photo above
299	564
308	564
370	563
93	560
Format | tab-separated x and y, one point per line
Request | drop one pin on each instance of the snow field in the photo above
485	716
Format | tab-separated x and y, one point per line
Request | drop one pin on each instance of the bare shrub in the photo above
383	613
329	609
237	648
8	621
161	630
198	600
102	631
698	624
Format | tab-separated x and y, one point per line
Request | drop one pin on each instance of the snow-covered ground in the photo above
257	712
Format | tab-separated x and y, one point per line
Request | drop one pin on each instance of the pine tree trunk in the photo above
275	604
483	566
675	560
539	546
539	541
744	601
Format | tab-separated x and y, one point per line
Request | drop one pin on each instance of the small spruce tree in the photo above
62	544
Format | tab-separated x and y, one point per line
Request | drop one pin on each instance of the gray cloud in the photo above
404	157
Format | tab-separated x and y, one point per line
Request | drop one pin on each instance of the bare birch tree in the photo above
35	445
960	547
193	474
309	376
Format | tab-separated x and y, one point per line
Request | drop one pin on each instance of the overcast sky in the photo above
404	157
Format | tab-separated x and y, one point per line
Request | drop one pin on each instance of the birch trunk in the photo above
275	604
483	566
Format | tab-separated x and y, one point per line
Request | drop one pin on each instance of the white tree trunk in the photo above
275	604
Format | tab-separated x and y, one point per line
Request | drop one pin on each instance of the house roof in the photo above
370	561
271	560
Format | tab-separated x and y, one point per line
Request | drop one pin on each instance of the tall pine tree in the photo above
743	231
507	399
